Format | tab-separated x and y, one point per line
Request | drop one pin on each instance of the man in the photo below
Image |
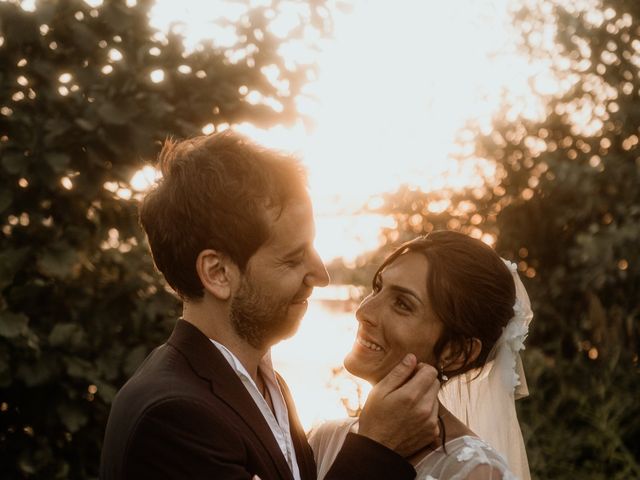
230	226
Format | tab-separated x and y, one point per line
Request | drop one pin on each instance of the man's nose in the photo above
318	275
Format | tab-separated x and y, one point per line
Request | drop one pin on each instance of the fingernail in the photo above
408	359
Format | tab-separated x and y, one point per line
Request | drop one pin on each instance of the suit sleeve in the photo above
364	459
180	438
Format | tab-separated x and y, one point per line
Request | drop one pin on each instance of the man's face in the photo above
272	297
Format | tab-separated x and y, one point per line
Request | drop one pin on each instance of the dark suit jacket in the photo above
185	414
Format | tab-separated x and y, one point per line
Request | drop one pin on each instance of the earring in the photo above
443	377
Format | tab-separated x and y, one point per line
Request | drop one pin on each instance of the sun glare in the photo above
311	362
144	178
397	82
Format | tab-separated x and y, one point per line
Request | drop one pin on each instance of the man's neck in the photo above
248	356
217	327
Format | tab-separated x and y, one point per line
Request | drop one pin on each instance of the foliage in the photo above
80	112
564	203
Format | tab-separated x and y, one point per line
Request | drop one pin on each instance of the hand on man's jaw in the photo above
401	411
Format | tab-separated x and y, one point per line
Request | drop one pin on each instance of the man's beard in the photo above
259	319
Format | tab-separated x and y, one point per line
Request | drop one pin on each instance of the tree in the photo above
564	203
86	96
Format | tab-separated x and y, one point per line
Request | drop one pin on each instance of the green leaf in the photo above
108	364
84	36
13	325
72	416
79	368
5	370
134	359
5	199
13	162
57	161
36	373
85	124
106	391
112	114
66	334
58	261
11	260
5	376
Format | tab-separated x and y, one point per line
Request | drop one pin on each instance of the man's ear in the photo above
453	360
217	272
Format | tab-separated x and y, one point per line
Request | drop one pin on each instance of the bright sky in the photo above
396	82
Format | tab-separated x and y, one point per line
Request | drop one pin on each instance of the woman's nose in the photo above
366	311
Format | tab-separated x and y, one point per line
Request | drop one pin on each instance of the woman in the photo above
454	303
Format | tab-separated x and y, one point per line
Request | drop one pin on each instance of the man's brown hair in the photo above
214	193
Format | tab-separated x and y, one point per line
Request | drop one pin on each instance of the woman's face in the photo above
395	319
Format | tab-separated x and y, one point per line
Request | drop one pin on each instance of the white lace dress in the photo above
466	457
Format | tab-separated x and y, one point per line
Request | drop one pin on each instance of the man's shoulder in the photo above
164	374
160	410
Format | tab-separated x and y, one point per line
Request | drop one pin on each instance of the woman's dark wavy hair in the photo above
470	289
214	193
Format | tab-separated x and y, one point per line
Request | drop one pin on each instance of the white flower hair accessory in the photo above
508	347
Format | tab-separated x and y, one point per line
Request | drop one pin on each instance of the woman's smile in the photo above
394	320
368	344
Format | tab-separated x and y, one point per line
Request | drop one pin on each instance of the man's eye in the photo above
376	287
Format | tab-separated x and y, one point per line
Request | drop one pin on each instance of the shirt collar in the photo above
265	364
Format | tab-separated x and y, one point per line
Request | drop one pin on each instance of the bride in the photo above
454	303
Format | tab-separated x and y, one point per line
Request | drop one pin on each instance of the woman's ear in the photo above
454	360
217	272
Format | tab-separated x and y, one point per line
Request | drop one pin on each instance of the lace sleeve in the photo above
467	458
485	472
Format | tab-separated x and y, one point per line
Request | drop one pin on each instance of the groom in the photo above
230	226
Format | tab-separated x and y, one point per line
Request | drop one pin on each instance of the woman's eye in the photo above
402	305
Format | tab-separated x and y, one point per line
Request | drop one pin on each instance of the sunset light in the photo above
467	125
367	135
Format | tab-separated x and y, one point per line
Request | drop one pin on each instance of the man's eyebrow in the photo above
294	253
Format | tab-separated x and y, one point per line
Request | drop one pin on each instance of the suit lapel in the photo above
209	363
304	454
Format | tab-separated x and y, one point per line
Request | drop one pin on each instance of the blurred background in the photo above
516	122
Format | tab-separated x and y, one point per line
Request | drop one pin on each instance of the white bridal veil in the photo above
485	400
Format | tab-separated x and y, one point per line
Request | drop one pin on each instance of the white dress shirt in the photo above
278	423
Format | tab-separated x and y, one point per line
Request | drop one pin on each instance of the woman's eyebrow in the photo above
398	288
407	291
